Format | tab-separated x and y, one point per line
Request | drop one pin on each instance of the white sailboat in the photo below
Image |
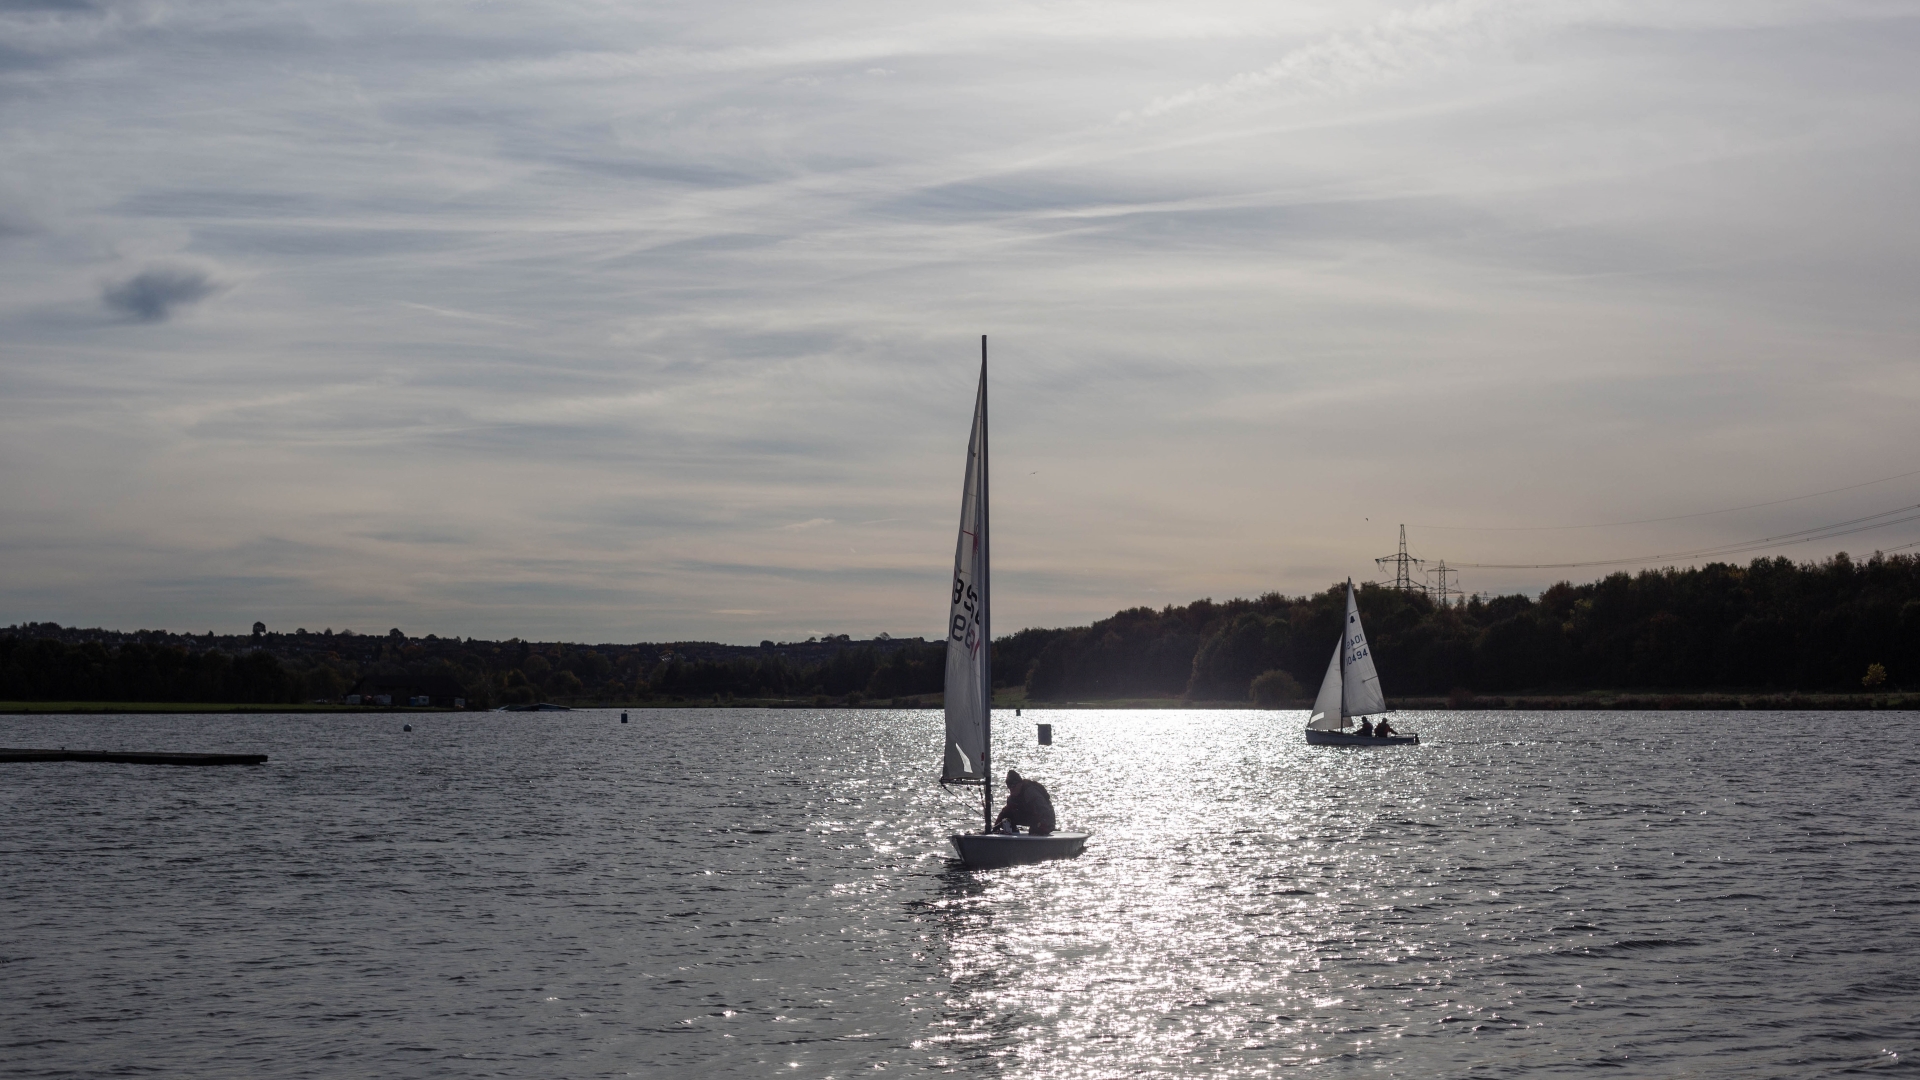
968	758
1351	689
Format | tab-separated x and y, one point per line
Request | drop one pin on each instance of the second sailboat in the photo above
1351	689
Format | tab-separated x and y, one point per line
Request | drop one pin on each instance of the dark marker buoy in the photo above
406	727
1046	734
623	718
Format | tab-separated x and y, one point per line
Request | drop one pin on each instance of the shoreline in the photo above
85	708
1589	701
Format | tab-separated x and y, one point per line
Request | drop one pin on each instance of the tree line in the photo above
1772	624
43	669
45	662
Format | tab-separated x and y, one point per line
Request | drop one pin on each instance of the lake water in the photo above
769	893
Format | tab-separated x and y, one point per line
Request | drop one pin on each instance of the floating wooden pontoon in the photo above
131	757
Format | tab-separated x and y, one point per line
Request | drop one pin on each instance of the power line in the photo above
1675	517
1898	516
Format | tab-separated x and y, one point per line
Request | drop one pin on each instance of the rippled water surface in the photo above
712	892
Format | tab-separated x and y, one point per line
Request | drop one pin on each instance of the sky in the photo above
645	322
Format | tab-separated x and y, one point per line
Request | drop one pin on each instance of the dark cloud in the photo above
152	295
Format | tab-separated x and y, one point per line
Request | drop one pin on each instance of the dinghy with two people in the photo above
968	759
1351	691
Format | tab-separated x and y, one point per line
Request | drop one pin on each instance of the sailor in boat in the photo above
1027	804
1366	727
1384	729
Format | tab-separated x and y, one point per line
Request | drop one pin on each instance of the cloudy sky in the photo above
620	321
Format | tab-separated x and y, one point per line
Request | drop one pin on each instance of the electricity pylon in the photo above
1404	566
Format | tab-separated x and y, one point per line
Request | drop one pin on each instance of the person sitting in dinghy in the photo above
1027	804
1366	727
1384	729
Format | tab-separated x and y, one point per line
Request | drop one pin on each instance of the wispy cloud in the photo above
470	316
615	324
1392	46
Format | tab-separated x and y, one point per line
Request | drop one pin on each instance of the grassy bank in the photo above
1595	701
1637	702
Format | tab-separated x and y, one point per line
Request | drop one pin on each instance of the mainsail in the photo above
969	694
1360	690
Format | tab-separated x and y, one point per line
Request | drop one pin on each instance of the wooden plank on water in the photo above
130	757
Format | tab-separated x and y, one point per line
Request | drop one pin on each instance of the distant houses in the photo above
439	691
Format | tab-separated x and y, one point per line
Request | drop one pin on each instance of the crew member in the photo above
1383	729
1366	727
1027	804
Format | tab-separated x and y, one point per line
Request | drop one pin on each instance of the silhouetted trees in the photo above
45	662
1772	624
44	670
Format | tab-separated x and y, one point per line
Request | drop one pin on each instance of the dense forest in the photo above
1828	626
45	662
1771	625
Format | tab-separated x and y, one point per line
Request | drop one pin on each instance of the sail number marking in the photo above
966	620
1357	648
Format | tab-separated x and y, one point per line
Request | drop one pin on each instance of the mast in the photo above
1344	648
968	678
986	604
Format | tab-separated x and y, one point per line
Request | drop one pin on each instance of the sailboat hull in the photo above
1348	738
991	851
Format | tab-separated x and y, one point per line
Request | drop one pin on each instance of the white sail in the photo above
1326	715
968	697
1361	691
